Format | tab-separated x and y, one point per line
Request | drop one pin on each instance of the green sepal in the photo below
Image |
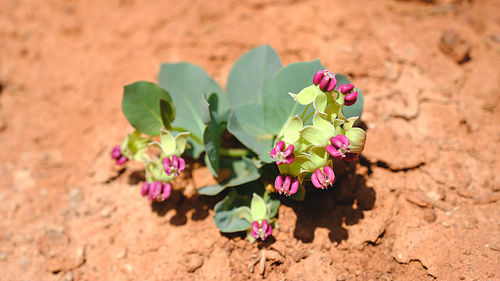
134	146
258	208
291	130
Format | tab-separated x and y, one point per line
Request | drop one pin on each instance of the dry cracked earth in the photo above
421	204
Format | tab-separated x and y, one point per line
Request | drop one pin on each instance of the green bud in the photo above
357	137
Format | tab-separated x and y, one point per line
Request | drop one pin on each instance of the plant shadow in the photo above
341	205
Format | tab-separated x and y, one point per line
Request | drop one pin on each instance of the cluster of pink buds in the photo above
351	95
323	179
116	154
339	148
173	165
261	231
287	185
156	190
281	155
325	80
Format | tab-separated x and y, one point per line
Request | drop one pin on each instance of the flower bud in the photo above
324	82
351	98
332	84
357	138
345	88
318	76
122	160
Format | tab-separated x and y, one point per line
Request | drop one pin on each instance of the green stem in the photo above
304	112
195	138
234	152
308	116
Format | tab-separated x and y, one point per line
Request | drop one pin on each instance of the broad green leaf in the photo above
250	74
258	208
167	112
141	106
246	123
227	217
242	171
187	84
278	105
212	136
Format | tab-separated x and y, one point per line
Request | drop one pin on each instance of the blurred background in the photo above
421	204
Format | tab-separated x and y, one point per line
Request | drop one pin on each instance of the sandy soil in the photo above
422	204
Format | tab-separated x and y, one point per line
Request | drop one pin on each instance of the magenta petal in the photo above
264	225
116	152
279	146
286	184
332	84
324	82
175	162
321	177
314	180
166	165
167	189
288	150
351	98
294	187
289	160
345	88
318	76
121	160
334	152
343	139
269	231
255	226
145	188
182	164
330	175
273	153
278	183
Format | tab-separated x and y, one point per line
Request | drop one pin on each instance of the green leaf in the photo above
258	208
187	84
228	215
141	106
212	135
278	105
250	74
247	125
273	203
242	171
167	112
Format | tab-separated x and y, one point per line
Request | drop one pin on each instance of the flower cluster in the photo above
159	170
304	150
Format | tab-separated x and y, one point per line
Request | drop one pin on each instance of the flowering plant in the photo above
272	124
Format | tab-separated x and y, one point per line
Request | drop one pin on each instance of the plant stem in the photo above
308	116
234	152
304	112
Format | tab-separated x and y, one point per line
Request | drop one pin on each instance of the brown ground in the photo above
423	204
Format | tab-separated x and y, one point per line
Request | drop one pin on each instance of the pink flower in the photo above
157	190
351	94
261	231
287	185
282	156
320	181
173	166
325	80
